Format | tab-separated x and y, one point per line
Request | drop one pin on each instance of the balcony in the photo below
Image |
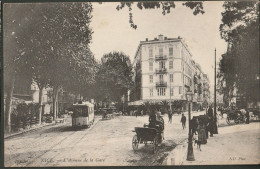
161	84
161	71
160	57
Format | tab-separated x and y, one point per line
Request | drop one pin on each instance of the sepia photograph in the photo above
136	83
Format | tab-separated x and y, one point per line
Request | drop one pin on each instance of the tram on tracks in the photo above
83	114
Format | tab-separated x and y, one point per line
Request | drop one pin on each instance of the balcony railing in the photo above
161	71
160	57
161	84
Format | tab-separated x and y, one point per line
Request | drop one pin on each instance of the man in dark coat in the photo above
183	121
210	112
211	126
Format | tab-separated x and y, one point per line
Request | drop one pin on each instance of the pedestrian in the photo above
136	113
183	121
247	117
210	112
201	134
211	126
160	122
170	117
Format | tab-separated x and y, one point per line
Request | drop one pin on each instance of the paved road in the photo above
106	143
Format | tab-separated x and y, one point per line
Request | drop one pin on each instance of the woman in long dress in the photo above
201	134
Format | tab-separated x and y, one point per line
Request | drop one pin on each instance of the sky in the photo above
112	31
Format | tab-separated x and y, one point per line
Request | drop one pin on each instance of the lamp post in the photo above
190	155
215	97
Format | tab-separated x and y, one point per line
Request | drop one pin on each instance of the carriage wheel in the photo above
135	143
155	145
228	120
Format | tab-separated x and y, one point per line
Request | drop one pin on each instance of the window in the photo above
171	91
171	77
150	52
151	66
161	78
151	92
151	78
170	64
180	89
161	91
170	51
187	81
161	65
160	51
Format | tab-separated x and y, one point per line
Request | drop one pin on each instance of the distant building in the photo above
25	92
164	70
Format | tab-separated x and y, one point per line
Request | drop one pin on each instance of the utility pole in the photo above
170	97
215	97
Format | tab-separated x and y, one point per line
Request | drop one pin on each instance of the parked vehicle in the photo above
145	135
83	114
235	115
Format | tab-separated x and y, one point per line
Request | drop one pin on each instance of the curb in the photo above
177	156
37	128
29	130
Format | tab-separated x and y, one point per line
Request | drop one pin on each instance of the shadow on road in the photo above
148	158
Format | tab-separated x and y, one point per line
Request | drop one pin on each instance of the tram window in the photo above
85	111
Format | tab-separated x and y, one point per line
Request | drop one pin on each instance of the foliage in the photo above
178	104
57	41
165	106
114	77
146	107
239	66
166	7
48	42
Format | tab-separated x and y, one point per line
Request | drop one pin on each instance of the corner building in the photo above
163	70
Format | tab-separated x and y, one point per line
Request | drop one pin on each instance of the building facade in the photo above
164	70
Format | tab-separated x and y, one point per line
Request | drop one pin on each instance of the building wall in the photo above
183	69
176	71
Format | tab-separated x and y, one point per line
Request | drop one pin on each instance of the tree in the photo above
239	66
51	50
166	7
114	77
15	65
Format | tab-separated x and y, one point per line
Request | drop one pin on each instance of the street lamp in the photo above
190	155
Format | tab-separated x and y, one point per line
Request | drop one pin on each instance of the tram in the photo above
83	114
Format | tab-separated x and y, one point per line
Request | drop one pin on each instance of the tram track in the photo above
37	141
71	141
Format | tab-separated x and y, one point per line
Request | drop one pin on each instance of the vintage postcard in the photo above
161	83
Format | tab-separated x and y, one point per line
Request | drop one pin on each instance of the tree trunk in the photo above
57	104
55	96
40	103
8	108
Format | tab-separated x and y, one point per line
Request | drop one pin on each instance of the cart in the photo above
146	136
235	115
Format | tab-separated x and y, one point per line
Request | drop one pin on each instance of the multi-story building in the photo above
164	70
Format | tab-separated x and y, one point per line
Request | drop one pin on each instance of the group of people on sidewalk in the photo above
201	126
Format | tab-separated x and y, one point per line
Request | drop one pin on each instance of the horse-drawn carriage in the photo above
237	115
145	135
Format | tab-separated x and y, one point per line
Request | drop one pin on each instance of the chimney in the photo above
179	37
165	38
146	39
160	37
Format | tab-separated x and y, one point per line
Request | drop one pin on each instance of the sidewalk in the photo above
9	135
237	144
37	127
